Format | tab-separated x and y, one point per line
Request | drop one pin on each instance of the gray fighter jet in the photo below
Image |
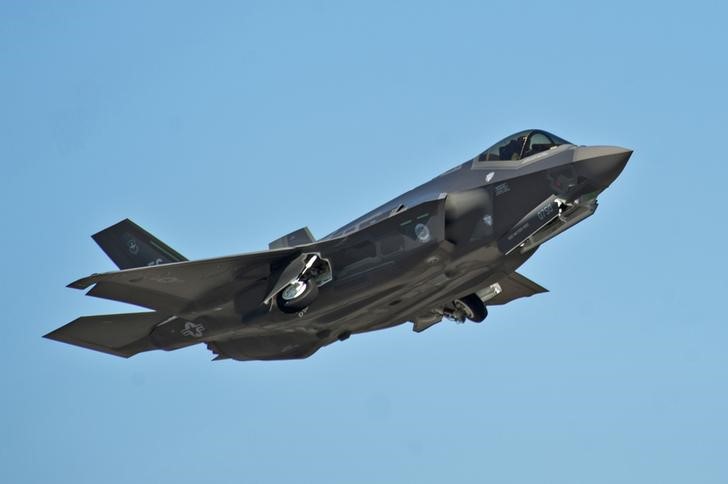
445	249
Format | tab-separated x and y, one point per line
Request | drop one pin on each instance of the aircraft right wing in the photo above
514	286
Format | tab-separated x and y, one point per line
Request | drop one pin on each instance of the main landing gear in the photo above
469	307
297	296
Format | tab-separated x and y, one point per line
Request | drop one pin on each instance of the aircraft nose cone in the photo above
601	164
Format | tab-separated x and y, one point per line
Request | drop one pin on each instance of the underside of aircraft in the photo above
447	249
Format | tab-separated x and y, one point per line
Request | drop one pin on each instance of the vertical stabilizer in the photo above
129	246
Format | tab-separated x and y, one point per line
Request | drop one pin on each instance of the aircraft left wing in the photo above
191	287
175	287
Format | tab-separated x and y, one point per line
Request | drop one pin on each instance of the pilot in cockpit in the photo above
512	151
521	145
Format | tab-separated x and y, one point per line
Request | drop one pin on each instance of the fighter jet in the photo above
447	249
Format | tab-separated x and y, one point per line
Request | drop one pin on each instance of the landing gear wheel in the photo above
473	307
297	296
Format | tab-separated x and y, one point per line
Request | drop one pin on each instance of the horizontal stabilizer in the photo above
129	246
117	334
301	236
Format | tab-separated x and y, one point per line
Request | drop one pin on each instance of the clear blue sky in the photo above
222	126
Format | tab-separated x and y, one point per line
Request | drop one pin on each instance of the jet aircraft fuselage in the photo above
446	249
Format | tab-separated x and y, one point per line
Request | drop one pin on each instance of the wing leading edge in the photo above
509	288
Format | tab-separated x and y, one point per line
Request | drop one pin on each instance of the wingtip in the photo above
82	283
54	335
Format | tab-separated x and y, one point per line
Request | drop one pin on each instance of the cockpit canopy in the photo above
522	145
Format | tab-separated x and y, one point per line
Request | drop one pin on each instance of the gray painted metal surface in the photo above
465	232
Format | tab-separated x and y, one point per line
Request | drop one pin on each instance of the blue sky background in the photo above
220	127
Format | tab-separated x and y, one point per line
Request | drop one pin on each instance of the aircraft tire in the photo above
300	301
474	307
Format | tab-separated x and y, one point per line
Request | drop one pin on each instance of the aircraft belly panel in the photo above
282	345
